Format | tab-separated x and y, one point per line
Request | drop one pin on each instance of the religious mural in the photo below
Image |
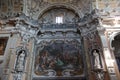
3	43
59	59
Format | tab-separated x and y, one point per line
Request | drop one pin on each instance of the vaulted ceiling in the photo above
10	8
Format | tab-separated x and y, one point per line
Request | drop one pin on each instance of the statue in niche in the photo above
20	60
96	59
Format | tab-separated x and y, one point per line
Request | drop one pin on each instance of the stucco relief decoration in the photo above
27	27
108	7
59	59
37	6
89	23
10	8
68	16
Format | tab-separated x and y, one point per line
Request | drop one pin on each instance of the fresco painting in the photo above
59	59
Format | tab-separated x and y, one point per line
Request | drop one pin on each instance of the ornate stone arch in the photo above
111	38
67	6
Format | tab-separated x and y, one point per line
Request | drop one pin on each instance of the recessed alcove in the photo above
116	46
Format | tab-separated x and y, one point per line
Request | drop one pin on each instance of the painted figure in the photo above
59	57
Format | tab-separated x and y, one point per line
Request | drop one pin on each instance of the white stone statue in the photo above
97	59
20	61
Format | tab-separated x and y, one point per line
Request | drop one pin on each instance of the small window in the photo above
59	19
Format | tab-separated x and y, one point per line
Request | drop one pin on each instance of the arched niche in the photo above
61	14
115	44
21	54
